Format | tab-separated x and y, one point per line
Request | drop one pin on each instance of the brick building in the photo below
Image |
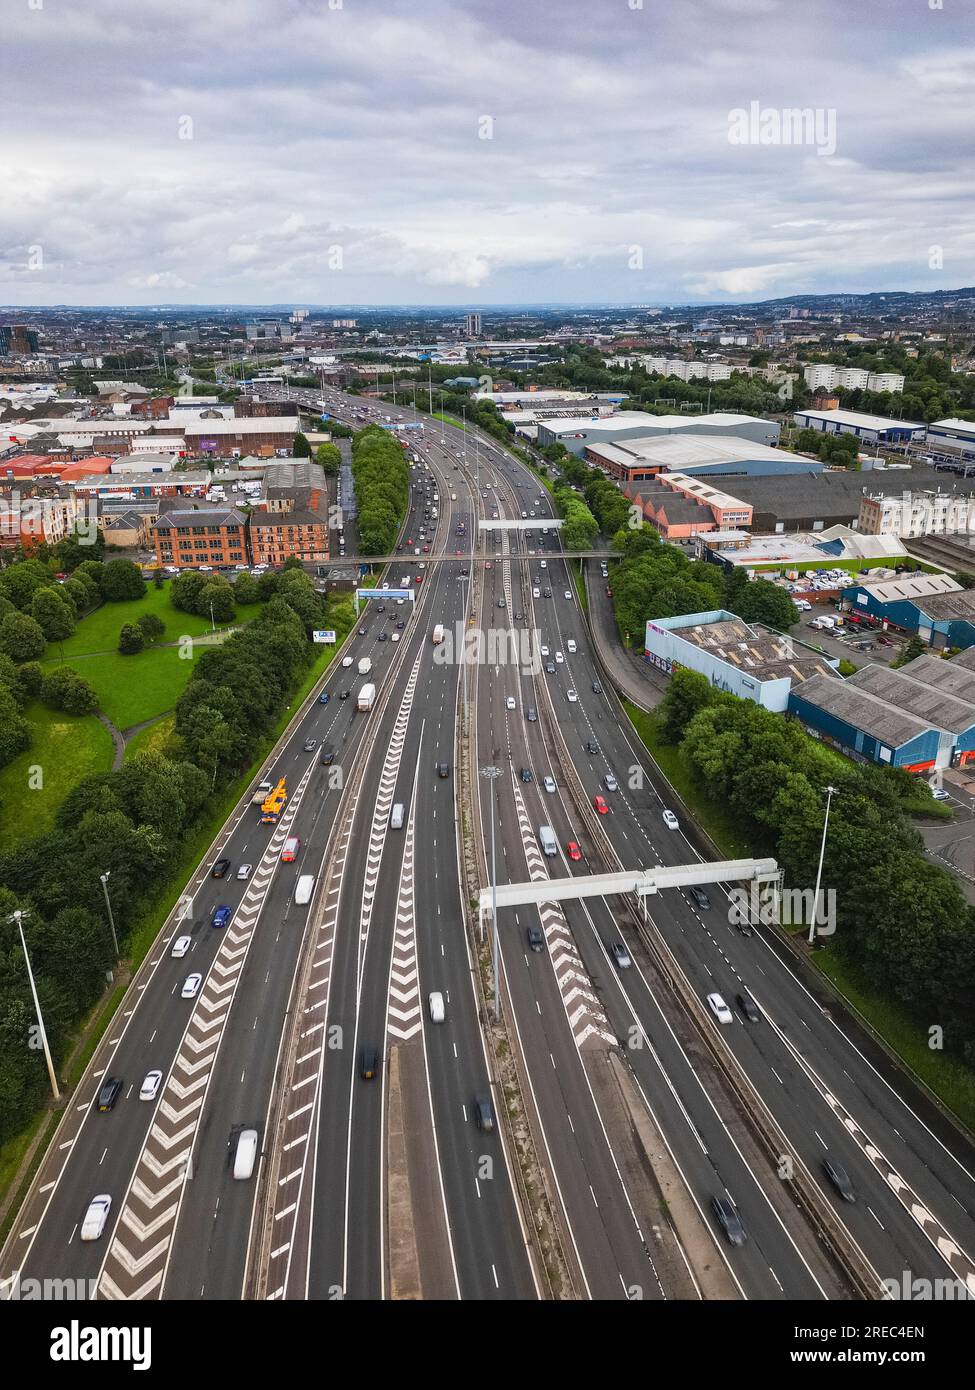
276	535
193	537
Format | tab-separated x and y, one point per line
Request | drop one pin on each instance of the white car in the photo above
548	783
96	1216
671	821
191	986
719	1008
150	1087
347	661
571	696
544	651
536	593
568	593
559	658
543	564
509	702
180	946
244	871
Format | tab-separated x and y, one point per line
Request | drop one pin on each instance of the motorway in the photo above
385	1187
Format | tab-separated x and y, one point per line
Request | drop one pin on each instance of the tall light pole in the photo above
18	917
830	793
492	774
111	919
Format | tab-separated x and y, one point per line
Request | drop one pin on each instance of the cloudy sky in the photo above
489	152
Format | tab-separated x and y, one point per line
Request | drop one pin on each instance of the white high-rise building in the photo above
473	325
826	376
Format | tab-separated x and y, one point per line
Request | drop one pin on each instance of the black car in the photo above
344	694
443	769
526	774
531	715
382	637
328	756
840	1179
748	1006
597	689
369	1063
699	898
729	1220
550	667
109	1092
220	868
535	938
484	1114
592	746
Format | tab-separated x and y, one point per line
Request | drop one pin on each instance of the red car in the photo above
600	804
573	850
419	579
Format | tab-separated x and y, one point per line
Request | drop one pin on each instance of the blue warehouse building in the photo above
933	606
904	718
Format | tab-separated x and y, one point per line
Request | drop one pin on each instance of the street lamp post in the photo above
492	774
111	919
830	793
18	917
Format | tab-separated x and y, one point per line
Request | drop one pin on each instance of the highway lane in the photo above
723	961
347	1236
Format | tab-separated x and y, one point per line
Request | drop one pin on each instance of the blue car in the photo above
324	698
221	916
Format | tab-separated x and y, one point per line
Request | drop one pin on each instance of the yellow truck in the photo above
274	803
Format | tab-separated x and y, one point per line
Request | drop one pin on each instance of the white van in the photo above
396	816
306	886
436	1006
246	1155
547	840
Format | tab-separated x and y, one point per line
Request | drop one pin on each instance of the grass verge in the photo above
66	748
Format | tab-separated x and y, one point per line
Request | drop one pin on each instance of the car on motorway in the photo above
550	667
526	774
671	821
484	1114
502	603
191	985
347	661
610	783
108	1093
220	868
150	1086
291	847
311	744
544	651
244	871
344	694
592	746
509	702
324	698
573	851
547	593
443	769
600	804
549	784
221	916
748	1007
840	1179
559	658
363	631
180	946
571	696
597	689
729	1220
93	1223
400	625
369	1063
699	898
531	714
720	1009
535	938
536	593
383	636
327	756
620	955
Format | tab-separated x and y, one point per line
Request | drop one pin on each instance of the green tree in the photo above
217	600
687	693
53	613
329	456
300	447
21	637
151	626
120	580
14	731
131	639
910	650
64	689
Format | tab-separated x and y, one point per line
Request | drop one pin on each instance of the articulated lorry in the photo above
367	698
